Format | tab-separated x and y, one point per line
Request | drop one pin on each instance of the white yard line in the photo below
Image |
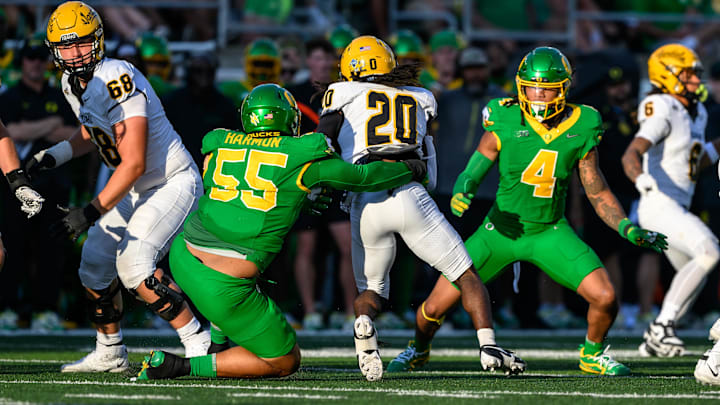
116	396
709	395
294	396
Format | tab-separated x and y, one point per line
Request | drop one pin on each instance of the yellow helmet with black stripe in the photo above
75	22
666	64
366	56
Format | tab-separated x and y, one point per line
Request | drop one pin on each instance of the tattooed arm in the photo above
598	192
632	158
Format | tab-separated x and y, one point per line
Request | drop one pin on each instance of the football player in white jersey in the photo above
154	185
663	161
379	112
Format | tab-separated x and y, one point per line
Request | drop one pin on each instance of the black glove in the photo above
418	168
75	221
47	161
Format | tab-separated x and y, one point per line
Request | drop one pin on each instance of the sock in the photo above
716	347
203	366
421	346
592	347
104	341
667	313
486	336
216	335
189	330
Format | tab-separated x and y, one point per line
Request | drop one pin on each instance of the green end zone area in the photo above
29	373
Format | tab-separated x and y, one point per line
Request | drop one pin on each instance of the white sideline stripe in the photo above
33	361
294	396
11	401
114	396
714	395
497	373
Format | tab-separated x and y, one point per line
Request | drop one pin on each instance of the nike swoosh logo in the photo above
713	372
572	136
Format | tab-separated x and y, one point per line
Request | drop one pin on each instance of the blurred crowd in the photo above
315	286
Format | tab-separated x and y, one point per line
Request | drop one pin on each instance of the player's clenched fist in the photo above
460	203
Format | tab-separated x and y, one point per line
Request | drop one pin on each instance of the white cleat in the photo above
707	370
494	357
366	348
661	341
198	345
715	331
113	359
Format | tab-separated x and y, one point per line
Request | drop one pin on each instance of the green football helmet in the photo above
155	54
544	68
444	38
408	46
262	62
341	37
270	108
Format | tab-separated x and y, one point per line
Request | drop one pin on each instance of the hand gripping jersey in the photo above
379	118
253	192
677	144
118	91
536	163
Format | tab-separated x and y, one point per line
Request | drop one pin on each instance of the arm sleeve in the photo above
330	124
474	173
341	175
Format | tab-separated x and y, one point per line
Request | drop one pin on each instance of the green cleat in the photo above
601	363
409	359
160	365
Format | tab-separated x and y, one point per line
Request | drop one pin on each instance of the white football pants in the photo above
692	250
128	240
410	212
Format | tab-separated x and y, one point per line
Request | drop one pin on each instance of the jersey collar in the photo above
549	135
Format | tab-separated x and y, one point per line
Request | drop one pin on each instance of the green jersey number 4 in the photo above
225	188
540	173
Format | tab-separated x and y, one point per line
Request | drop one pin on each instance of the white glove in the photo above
645	183
30	199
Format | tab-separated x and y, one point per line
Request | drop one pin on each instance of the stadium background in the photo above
607	41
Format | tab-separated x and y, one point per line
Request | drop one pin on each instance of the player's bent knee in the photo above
432	313
709	255
169	303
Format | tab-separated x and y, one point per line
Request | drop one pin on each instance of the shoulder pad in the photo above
317	141
215	138
112	83
338	95
654	105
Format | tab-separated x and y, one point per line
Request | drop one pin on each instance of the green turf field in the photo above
29	373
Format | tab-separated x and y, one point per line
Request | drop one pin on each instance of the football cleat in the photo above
714	334
312	321
162	365
494	357
111	359
198	344
661	341
366	348
601	363
409	359
707	369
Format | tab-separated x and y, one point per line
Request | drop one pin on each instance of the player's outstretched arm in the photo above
609	209
50	158
477	167
31	201
375	176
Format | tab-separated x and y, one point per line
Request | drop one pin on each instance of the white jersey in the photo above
379	118
116	92
677	144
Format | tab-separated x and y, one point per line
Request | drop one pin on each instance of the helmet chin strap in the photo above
538	112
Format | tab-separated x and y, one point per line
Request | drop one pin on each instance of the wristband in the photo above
91	213
17	179
624	227
711	152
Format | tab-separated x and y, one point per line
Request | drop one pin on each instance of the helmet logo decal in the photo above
254	118
357	65
68	36
268	117
87	18
364	48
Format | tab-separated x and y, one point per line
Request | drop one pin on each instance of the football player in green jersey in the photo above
537	141
256	183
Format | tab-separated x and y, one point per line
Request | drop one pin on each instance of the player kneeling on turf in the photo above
256	183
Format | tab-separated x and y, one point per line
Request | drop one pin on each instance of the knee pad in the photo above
708	254
173	299
102	311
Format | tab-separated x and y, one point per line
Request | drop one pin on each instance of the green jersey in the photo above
255	187
536	163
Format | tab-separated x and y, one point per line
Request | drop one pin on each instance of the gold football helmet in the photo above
665	65
76	22
366	56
